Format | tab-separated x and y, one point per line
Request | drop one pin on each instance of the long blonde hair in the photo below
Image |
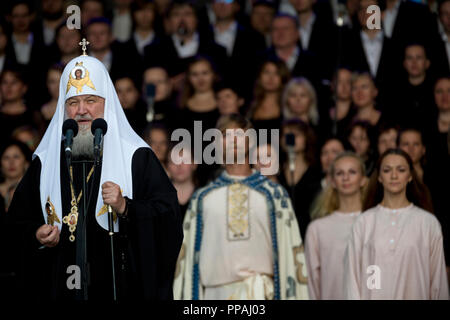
313	113
328	200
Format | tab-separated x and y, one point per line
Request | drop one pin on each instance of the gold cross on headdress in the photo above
83	45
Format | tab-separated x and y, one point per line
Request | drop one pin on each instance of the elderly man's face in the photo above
84	109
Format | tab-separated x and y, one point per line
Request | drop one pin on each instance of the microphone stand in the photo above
340	25
111	236
292	183
291	164
81	236
81	248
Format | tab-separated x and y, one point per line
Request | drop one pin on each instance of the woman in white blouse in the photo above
326	238
395	248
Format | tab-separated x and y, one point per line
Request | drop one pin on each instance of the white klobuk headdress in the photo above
87	75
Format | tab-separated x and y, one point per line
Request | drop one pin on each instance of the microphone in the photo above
98	129
341	12
182	31
290	144
150	99
70	130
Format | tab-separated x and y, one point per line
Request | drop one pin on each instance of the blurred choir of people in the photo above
361	105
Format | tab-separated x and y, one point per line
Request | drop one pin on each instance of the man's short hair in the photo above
236	119
175	4
26	3
17	72
141	5
406	129
267	3
102	20
387	126
288	16
228	85
155	125
416	44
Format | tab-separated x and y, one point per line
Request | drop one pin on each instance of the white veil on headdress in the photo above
119	143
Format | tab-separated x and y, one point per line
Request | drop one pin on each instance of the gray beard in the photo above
83	145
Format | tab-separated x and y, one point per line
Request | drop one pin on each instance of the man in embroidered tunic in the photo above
129	178
241	235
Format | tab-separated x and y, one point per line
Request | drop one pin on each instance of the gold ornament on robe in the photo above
51	213
71	219
78	78
104	209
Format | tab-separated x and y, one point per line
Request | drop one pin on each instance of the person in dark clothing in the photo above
133	106
157	137
143	13
440	51
411	100
7	275
14	112
15	159
285	47
198	106
302	183
266	110
26	47
56	232
7	57
110	52
52	16
242	45
406	22
336	119
182	171
184	41
261	16
438	157
198	100
360	139
428	170
66	45
156	80
318	35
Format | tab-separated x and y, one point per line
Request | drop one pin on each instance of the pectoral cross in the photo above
83	45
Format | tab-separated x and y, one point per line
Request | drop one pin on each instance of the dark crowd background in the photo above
309	68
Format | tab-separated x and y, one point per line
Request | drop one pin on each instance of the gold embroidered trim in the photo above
238	212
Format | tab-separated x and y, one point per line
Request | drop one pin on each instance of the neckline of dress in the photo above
398	210
347	214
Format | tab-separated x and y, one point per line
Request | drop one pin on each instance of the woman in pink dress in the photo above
337	207
395	248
